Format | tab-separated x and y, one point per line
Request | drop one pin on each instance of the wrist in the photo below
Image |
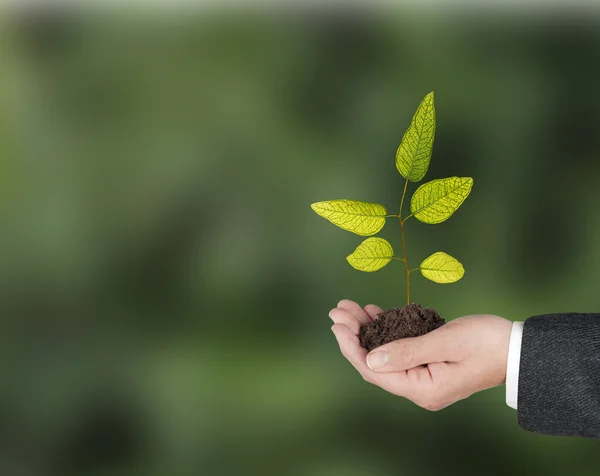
504	342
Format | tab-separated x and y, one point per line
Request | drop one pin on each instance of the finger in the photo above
404	354
354	309
341	316
397	383
418	376
351	349
373	311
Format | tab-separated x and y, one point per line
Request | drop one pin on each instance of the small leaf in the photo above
436	201
442	268
414	154
362	218
371	255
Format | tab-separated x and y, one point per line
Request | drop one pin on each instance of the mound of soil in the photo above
399	323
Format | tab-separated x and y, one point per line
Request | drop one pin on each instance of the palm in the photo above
460	358
348	318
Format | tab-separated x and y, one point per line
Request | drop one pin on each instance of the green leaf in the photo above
362	218
436	201
371	255
442	268
414	154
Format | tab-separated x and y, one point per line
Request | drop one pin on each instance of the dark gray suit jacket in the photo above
559	375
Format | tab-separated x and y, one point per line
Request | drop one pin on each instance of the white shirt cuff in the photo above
512	365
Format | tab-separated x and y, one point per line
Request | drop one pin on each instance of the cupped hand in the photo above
462	357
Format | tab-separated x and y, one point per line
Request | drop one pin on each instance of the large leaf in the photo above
362	218
442	268
414	154
371	255
436	201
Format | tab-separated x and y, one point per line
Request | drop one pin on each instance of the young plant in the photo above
433	202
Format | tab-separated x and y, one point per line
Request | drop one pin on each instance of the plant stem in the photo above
404	245
405	265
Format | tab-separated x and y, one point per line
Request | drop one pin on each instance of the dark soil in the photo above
399	323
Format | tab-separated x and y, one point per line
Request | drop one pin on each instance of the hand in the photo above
460	358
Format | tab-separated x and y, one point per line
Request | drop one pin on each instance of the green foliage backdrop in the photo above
164	286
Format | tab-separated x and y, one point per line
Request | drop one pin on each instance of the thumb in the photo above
408	353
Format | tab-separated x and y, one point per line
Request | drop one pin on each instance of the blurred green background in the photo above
164	284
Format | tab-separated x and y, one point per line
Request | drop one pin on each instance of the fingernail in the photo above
377	360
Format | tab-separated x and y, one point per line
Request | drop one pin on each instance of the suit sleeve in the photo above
559	375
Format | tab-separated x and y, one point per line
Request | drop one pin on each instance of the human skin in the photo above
463	357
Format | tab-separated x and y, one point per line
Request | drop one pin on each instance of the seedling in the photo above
432	203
